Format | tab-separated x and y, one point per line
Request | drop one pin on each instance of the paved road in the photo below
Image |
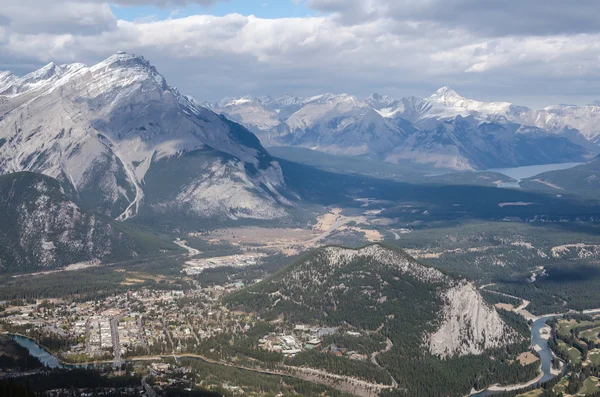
114	332
374	355
149	391
167	333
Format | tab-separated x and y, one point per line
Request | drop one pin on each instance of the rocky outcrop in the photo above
469	325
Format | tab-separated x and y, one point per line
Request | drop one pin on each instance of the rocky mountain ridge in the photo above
422	130
101	130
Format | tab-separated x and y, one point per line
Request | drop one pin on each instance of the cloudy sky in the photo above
533	52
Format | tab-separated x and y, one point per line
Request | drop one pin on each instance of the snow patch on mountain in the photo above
456	103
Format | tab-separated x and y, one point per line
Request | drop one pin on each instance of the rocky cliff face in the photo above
469	325
99	130
42	229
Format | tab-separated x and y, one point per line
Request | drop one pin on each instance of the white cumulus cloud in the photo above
390	46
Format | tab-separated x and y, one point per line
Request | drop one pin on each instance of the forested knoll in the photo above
399	302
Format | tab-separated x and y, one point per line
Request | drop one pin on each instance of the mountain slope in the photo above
338	124
100	129
42	229
466	143
585	119
583	180
333	285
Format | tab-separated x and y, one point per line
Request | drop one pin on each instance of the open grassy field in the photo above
566	326
594	357
591	334
561	386
532	393
590	386
573	354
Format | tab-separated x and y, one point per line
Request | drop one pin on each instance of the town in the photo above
146	322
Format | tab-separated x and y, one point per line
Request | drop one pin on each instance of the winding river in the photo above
51	361
37	351
545	355
537	340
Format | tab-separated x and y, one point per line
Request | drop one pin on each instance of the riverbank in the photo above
499	388
539	340
346	384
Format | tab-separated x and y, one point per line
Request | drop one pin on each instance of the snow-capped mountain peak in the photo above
446	95
7	79
43	78
444	129
448	103
124	69
102	129
45	72
4	75
240	101
125	60
287	100
378	101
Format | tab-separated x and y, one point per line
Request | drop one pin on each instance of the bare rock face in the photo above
469	324
99	130
225	188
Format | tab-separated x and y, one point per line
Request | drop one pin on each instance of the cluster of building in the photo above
135	323
303	338
198	265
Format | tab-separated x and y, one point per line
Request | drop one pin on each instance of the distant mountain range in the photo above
445	130
122	141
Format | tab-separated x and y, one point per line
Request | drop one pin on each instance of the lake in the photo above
520	173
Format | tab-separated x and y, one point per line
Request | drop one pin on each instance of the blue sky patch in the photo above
259	8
